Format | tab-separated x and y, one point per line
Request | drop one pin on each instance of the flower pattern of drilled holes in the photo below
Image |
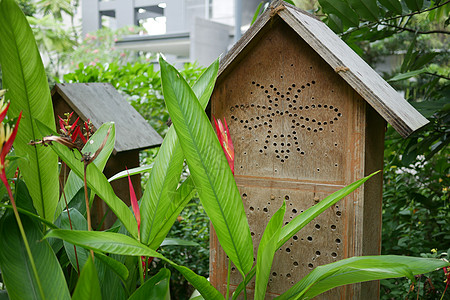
284	104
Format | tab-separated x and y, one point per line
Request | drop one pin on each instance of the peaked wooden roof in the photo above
101	103
350	66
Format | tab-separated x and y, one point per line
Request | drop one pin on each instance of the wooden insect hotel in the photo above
101	103
307	117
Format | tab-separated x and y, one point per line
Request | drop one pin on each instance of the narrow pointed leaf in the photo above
96	181
182	196
360	269
209	168
88	286
25	79
156	287
266	251
133	171
124	245
17	274
177	242
75	183
304	218
115	266
159	194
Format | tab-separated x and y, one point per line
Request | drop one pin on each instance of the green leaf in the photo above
78	223
158	200
303	219
96	181
133	171
407	75
24	77
182	196
88	286
414	5
258	10
114	265
393	6
36	217
156	287
209	168
15	265
124	245
177	242
266	251
308	215
75	183
342	10
360	269
366	9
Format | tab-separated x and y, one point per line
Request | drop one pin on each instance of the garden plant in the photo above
48	249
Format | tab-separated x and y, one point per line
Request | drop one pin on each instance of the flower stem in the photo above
68	214
24	237
88	210
228	279
141	271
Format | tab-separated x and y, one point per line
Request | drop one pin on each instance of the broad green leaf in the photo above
266	251
96	181
360	269
209	168
158	200
75	183
335	23
414	5
407	75
88	286
156	287
177	242
15	265
183	195
342	10
303	219
133	171
366	9
124	245
393	6
25	79
76	222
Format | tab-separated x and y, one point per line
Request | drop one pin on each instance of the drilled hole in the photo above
252	234
288	250
318	253
274	273
334	254
333	227
309	238
294	211
317	226
295	237
338	213
252	208
310	266
295	263
338	241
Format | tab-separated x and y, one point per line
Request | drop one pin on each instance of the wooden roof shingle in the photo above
349	65
100	103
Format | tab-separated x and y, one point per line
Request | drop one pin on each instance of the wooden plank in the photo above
100	102
341	58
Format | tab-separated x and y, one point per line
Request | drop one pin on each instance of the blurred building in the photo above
185	30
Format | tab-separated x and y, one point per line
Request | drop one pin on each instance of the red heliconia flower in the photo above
223	133
134	204
7	137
